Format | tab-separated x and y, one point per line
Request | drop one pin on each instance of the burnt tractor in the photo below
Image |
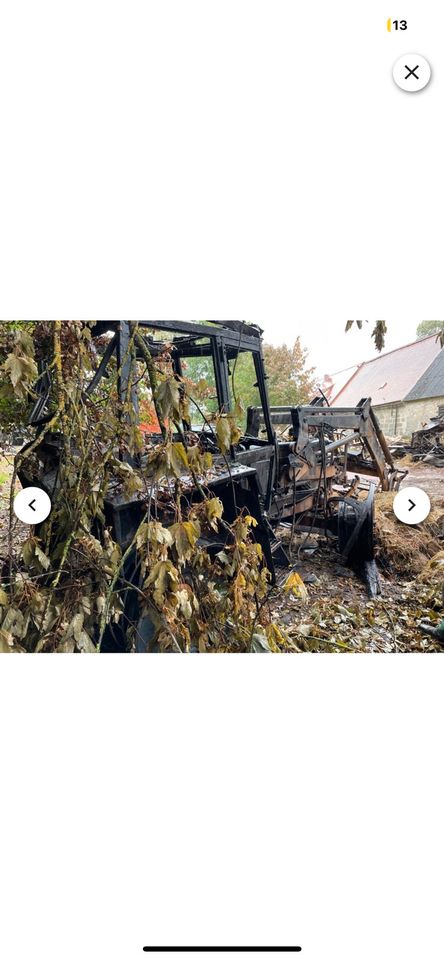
314	468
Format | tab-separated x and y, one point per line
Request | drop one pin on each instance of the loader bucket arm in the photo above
377	447
360	421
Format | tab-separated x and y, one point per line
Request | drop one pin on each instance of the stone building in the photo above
406	386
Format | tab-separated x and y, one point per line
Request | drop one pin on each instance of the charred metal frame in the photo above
225	342
274	479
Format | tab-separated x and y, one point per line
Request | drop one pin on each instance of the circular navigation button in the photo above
412	72
32	505
411	505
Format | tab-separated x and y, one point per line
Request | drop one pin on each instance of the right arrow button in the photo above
411	505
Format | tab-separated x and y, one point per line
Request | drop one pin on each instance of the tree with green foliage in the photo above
427	327
289	380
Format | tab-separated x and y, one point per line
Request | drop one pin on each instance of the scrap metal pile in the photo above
426	445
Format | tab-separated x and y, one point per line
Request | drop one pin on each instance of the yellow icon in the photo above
389	24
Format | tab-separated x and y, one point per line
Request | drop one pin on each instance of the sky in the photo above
331	349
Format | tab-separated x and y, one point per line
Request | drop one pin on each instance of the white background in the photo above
230	800
204	160
209	160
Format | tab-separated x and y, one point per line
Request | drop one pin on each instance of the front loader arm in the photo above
359	422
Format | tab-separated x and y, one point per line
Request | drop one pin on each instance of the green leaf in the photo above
152	532
186	601
22	371
163	577
223	433
198	460
169	460
15	623
168	398
223	557
25	342
178	459
76	626
213	511
43	560
259	644
6	641
13	368
185	536
239	410
235	432
85	644
28	549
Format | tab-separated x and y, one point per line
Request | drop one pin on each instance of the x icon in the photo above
411	72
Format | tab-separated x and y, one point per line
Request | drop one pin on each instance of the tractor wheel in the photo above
356	521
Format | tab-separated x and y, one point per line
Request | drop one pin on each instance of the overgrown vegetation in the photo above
67	585
71	583
18	368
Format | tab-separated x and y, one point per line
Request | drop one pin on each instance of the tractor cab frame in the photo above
312	467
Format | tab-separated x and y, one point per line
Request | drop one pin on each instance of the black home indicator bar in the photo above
218	949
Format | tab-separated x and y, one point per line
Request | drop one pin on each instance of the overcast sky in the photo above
331	349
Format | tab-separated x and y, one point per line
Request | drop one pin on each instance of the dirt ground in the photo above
431	479
6	471
333	611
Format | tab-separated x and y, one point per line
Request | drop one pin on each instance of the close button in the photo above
412	72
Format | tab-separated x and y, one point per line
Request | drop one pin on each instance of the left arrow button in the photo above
32	505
